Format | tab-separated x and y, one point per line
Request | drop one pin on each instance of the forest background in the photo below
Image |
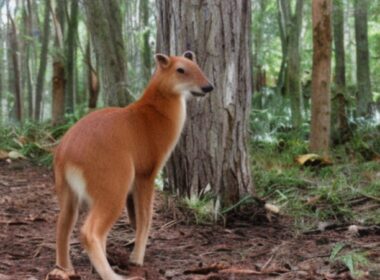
60	60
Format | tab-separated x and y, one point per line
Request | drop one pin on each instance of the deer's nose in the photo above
207	88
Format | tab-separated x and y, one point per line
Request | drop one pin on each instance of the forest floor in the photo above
243	249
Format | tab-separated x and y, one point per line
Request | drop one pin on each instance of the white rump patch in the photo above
74	176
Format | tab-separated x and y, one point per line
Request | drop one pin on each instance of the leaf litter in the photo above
244	248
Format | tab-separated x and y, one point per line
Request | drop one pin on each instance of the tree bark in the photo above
58	108
364	96
43	62
212	152
320	99
293	75
284	12
59	81
2	68
105	25
28	57
146	54
10	72
70	57
289	79
16	69
259	73
339	118
92	80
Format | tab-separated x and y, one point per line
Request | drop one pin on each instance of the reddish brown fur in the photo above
119	151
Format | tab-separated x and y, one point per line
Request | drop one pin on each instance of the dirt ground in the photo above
244	249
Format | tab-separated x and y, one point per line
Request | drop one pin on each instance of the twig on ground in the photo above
264	267
169	224
370	197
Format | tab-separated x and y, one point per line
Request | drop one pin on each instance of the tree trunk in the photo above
257	60
105	25
92	80
16	68
339	118
146	54
284	13
58	108
293	75
59	81
212	152
289	77
10	73
2	68
70	57
43	62
28	58
320	99
350	42
364	96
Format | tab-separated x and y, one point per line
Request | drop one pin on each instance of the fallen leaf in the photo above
272	208
15	155
313	200
3	154
313	160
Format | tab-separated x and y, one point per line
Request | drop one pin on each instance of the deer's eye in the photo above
181	70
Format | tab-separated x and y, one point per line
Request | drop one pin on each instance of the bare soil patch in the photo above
244	249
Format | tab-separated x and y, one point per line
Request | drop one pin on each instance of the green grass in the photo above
314	194
202	208
354	260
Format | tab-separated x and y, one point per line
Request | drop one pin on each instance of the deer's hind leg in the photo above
68	203
108	202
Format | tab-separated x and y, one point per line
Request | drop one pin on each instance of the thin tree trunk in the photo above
70	57
212	152
29	84
10	73
59	82
146	54
320	99
257	60
284	11
293	75
364	96
92	80
105	24
34	54
339	118
58	102
28	57
2	68
350	42
16	68
43	62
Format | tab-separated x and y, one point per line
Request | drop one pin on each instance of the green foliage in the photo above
30	140
35	141
202	208
314	194
353	259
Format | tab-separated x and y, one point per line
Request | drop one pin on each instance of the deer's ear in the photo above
162	60
189	55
